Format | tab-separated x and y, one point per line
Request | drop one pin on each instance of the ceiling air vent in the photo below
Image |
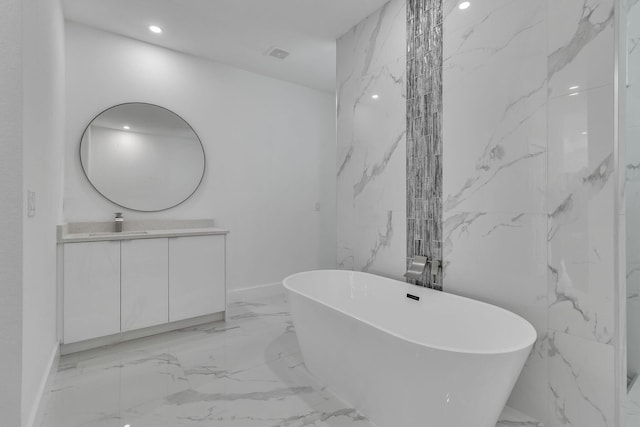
276	52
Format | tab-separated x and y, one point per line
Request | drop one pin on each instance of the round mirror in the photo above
142	157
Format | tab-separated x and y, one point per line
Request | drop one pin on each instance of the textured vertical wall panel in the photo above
424	134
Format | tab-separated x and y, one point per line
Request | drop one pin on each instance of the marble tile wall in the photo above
528	189
581	208
495	168
371	60
528	184
424	136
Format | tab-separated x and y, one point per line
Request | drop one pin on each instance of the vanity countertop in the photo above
128	235
101	231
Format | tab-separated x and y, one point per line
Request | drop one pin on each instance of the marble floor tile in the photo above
245	372
631	407
510	417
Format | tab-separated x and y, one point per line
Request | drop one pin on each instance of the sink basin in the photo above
113	233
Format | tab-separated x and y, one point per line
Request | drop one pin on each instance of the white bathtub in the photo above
442	361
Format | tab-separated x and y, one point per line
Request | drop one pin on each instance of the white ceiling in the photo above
237	32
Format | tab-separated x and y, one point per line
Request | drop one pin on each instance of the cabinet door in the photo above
91	290
196	276
145	283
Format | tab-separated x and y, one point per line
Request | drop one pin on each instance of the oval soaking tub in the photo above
440	361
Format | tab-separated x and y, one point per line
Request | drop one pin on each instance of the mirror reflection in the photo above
142	157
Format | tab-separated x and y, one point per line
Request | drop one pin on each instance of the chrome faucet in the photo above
119	222
417	267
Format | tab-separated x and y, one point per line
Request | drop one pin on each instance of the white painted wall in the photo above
270	149
43	136
10	211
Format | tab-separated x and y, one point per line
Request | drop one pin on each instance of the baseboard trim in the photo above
38	408
258	291
110	340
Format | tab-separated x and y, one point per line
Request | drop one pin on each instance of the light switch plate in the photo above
31	203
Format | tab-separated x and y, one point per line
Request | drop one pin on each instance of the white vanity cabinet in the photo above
196	276
145	283
116	287
91	290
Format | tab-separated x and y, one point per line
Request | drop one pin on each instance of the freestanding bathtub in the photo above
440	361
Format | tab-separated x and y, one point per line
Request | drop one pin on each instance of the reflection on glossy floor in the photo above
632	406
246	372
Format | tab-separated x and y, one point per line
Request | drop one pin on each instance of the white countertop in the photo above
129	235
150	229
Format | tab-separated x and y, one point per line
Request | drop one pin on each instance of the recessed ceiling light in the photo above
376	96
155	29
574	94
464	5
584	133
574	87
126	127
